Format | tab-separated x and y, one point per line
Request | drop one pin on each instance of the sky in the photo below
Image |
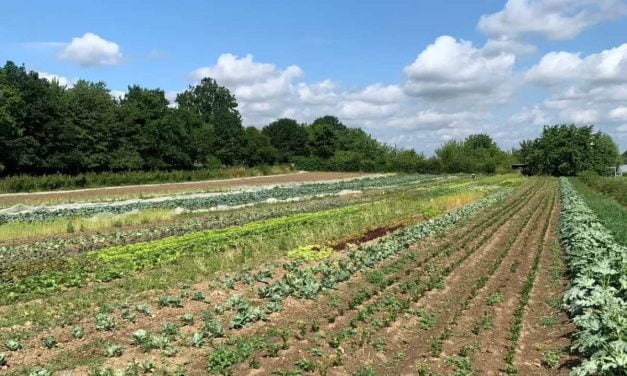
411	73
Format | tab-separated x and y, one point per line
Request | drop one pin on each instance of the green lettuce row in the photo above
597	298
13	256
115	262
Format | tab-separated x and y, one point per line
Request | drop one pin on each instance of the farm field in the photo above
367	275
155	190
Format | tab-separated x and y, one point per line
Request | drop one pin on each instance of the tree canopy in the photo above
49	128
567	150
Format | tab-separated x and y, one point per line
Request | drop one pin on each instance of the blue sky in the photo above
412	73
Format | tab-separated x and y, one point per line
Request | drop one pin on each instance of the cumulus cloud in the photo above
232	70
61	80
608	66
619	113
250	80
584	89
451	90
449	68
534	115
553	19
90	50
496	46
117	94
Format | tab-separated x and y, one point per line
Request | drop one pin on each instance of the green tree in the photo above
130	146
322	140
217	106
90	113
259	150
566	150
288	138
32	106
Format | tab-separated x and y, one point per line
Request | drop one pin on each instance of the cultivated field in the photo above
366	275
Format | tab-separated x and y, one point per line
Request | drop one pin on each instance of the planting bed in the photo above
424	277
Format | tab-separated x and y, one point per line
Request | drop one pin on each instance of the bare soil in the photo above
428	311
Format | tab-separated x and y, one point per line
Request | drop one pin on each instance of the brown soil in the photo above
169	188
546	328
370	235
464	255
459	239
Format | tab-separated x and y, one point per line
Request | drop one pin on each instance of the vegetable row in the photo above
196	202
597	298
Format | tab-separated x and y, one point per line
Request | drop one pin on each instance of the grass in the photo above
23	230
614	187
611	214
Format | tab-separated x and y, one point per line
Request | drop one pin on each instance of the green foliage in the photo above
27	183
567	150
476	154
13	345
113	350
614	187
78	332
596	298
550	359
104	322
288	137
310	253
50	342
611	214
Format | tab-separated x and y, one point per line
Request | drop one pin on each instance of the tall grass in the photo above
615	187
24	230
27	183
610	213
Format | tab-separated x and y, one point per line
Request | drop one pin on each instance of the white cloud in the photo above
534	115
451	90
379	93
63	81
496	46
580	116
555	67
250	80
90	50
619	113
232	70
554	19
117	94
448	69
608	66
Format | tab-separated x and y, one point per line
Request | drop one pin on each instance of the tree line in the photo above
49	128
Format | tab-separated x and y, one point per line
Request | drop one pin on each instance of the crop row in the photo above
597	298
113	263
382	277
195	202
81	242
309	282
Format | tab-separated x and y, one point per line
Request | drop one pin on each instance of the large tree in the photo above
217	106
477	153
288	137
566	150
